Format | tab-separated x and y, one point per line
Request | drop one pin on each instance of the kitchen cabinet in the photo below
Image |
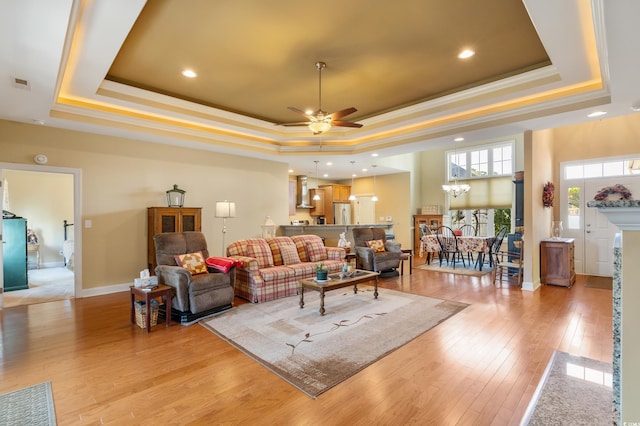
169	219
556	262
335	193
14	254
433	221
318	208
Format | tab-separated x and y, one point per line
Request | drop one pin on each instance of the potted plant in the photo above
322	272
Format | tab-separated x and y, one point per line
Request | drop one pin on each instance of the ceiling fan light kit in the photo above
320	121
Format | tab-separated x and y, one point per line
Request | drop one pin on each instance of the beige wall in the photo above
122	177
539	166
45	200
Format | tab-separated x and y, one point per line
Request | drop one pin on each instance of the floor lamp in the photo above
225	209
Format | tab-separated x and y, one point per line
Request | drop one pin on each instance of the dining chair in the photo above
509	263
468	230
448	243
424	231
497	244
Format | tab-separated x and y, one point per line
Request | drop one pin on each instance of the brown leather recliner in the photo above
198	295
386	261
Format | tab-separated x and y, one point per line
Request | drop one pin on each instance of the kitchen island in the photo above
330	233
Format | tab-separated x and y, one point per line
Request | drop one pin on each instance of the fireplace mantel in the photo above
625	214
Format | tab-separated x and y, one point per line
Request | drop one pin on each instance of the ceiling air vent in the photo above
20	83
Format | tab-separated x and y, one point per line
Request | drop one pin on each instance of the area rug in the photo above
314	352
28	406
458	270
573	390
593	281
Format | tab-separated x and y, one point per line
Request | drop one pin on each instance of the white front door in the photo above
592	231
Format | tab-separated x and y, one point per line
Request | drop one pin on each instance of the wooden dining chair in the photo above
448	243
509	263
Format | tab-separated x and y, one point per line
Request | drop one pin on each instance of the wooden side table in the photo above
406	254
164	291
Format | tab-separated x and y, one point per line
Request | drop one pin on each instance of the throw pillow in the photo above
289	254
192	262
223	264
315	251
376	245
262	254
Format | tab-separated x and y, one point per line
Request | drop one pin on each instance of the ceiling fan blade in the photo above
300	123
294	109
345	124
343	113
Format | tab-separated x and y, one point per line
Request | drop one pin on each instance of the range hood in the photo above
302	193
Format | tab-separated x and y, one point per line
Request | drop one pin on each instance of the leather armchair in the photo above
386	261
198	295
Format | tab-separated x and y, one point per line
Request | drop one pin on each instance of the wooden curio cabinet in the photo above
433	221
169	219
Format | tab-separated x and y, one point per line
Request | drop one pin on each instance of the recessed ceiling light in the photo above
189	73
374	154
329	163
596	114
458	139
325	175
290	170
364	170
466	53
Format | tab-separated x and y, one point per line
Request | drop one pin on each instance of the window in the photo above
573	209
597	169
483	162
486	221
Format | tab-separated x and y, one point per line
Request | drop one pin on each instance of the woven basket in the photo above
141	313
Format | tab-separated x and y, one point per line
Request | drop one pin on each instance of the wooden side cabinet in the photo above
433	221
556	262
318	208
169	219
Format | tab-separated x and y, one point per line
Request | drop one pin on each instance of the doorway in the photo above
43	195
593	233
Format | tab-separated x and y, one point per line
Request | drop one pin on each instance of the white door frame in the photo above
77	217
592	232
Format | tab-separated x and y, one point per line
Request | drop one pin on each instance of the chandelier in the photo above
456	189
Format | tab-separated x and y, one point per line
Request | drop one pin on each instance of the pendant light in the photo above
352	196
374	198
316	197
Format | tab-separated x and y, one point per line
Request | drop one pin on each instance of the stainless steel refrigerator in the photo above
342	213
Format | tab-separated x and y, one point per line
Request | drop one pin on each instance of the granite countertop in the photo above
614	204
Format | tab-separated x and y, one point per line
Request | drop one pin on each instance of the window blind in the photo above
489	193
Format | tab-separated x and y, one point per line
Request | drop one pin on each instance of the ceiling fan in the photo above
320	121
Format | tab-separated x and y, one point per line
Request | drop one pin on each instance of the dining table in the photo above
466	244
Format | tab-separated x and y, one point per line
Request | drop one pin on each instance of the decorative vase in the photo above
556	229
321	275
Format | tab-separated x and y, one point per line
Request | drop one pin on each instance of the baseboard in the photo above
187	318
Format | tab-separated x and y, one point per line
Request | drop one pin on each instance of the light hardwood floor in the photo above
479	367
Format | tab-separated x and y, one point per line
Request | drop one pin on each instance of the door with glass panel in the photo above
592	232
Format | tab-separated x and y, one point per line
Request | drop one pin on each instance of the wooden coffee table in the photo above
335	282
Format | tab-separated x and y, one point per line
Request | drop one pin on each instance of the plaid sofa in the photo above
272	268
